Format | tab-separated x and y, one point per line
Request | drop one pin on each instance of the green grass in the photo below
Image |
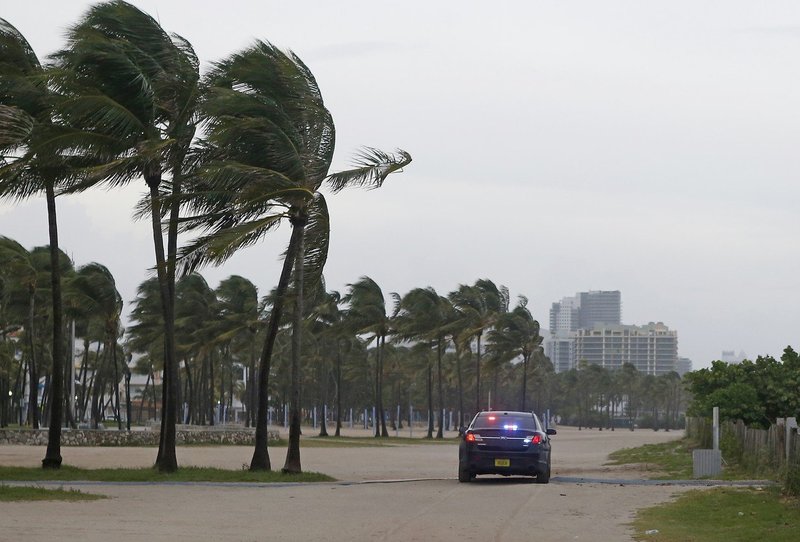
663	461
25	493
722	515
185	474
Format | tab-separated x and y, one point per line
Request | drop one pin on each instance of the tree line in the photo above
461	352
756	392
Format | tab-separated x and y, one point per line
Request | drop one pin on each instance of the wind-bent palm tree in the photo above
21	277
366	313
479	306
93	287
423	315
197	341
27	125
327	333
271	143
515	334
133	87
238	325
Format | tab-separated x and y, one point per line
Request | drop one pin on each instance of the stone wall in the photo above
109	437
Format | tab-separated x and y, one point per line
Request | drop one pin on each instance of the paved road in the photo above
368	506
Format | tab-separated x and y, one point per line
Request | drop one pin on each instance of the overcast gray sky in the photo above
647	147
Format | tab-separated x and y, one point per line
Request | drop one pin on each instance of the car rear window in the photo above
504	421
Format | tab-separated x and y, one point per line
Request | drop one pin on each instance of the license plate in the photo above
502	462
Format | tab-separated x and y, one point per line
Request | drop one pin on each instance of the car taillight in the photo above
534	439
473	437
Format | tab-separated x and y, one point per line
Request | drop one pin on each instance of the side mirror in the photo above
461	431
550	431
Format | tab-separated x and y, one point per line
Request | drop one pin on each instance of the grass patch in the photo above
25	493
185	474
666	460
722	515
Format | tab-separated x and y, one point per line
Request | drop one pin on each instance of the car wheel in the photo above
543	477
464	475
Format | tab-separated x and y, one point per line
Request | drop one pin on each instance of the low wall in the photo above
110	437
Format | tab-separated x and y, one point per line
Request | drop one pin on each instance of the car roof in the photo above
504	413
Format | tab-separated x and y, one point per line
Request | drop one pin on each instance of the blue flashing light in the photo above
509	427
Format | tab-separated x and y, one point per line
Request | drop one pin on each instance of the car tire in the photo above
543	477
464	475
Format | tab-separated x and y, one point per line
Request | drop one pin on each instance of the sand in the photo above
368	503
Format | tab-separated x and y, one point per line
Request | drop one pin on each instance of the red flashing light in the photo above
492	418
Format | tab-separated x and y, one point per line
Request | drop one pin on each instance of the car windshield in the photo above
508	422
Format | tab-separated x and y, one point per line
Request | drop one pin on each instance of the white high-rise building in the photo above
588	328
652	349
564	320
731	357
583	311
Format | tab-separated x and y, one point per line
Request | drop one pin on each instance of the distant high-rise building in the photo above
583	311
559	350
684	366
652	349
731	357
564	319
564	316
600	307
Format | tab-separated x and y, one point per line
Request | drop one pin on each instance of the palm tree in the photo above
20	278
514	335
328	332
26	125
271	142
133	88
145	332
366	314
423	315
479	307
93	287
196	341
238	324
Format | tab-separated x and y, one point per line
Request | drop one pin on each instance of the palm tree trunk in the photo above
440	429
144	394
381	342
460	388
430	399
260	459
323	427
190	395
524	393
377	383
478	377
211	402
33	395
251	386
117	414
292	463
52	457
84	395
338	389
166	459
19	386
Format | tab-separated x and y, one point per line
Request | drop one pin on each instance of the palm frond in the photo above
217	247
317	241
372	166
16	126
